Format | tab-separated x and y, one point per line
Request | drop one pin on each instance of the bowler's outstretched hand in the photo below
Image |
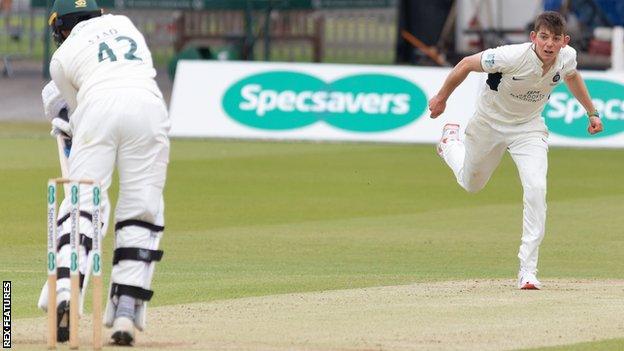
595	125
437	105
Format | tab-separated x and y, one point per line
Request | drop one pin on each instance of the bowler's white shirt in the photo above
516	91
103	53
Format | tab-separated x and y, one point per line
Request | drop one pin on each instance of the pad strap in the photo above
129	290
136	254
138	223
63	272
83	214
85	241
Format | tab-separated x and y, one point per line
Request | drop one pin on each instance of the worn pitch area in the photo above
457	315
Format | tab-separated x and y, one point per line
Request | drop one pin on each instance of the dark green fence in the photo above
361	31
21	34
237	4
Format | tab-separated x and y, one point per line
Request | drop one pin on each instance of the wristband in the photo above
593	114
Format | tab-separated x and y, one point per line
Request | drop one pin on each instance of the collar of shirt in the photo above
80	25
539	65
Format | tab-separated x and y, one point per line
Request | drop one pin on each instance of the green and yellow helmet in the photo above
65	14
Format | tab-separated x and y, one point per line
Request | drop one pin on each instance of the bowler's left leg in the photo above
530	153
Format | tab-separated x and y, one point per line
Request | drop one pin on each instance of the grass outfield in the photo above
606	345
261	218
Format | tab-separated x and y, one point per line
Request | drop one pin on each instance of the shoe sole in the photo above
62	318
529	286
122	338
443	141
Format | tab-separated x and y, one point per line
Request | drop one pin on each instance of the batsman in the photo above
102	73
508	118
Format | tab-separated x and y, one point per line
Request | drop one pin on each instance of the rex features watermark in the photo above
6	314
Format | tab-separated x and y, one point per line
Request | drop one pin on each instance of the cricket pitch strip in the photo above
452	315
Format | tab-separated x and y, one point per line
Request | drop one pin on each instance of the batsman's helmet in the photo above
65	14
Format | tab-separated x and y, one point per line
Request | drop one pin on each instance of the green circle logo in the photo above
96	263
564	115
51	261
51	194
74	194
284	100
74	262
96	196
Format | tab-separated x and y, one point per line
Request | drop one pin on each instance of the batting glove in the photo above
60	125
53	101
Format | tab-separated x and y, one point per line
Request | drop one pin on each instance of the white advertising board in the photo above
567	121
360	103
311	101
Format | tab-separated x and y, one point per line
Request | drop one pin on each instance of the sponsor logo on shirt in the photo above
516	78
530	96
489	60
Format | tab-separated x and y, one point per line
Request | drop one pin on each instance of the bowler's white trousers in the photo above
474	160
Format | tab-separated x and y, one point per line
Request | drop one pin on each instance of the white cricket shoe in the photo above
450	131
123	331
528	281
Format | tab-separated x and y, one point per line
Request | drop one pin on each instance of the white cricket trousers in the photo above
474	160
127	128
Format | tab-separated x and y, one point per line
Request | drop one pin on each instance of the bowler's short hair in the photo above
552	21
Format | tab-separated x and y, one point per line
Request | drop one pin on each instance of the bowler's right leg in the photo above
474	160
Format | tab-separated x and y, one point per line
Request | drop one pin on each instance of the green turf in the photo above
259	218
